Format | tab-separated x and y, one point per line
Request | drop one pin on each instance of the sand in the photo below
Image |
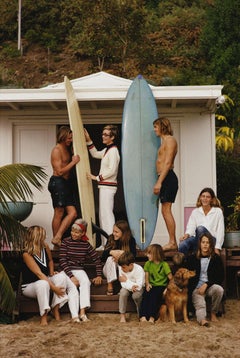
105	336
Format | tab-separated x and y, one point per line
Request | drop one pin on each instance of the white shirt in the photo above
109	164
134	278
213	222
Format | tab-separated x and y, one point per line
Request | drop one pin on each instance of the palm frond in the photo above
15	180
12	233
15	185
7	295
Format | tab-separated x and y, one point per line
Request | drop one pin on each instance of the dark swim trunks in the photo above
169	188
61	192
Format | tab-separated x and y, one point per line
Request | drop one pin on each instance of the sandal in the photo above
110	292
84	318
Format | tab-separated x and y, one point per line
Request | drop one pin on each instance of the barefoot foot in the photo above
56	241
214	317
123	318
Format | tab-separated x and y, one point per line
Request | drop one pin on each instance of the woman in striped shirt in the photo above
74	251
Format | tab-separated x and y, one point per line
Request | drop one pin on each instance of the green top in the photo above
158	273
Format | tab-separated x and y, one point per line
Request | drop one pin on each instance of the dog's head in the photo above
182	277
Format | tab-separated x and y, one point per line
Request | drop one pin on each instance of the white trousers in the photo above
106	205
82	298
41	291
110	269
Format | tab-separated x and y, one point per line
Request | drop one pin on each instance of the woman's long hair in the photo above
34	241
211	241
124	240
215	201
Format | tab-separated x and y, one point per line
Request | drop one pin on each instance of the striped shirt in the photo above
73	255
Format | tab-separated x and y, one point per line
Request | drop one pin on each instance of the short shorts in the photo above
169	188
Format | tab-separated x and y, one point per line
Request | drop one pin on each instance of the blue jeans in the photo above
190	245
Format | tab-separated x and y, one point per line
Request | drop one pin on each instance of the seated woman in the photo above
207	217
74	251
208	280
119	242
38	276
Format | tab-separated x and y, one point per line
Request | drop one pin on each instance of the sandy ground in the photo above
105	336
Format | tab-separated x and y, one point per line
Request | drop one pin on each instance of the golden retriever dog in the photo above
176	297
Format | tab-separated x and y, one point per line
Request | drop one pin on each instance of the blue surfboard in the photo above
139	154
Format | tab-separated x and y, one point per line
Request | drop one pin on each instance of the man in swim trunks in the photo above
59	186
166	186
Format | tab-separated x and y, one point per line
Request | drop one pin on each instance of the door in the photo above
32	144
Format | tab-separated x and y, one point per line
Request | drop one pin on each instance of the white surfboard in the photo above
85	187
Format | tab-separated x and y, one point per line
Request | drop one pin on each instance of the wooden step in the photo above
104	303
100	301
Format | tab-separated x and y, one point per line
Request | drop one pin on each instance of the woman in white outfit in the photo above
38	276
207	217
106	178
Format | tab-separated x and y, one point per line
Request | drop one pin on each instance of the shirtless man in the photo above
61	190
166	186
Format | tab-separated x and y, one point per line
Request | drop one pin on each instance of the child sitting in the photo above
131	277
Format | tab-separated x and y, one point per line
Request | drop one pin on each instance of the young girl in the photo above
120	241
38	275
209	277
157	274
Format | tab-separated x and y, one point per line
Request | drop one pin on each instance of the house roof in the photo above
100	90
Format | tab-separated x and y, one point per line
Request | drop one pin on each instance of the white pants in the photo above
82	298
110	269
41	291
106	216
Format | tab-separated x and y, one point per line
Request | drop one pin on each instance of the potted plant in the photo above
232	234
16	181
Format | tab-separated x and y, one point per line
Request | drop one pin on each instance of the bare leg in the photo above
110	288
57	219
63	223
82	312
43	320
171	226
56	313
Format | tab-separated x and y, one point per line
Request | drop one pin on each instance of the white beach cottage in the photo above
29	120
